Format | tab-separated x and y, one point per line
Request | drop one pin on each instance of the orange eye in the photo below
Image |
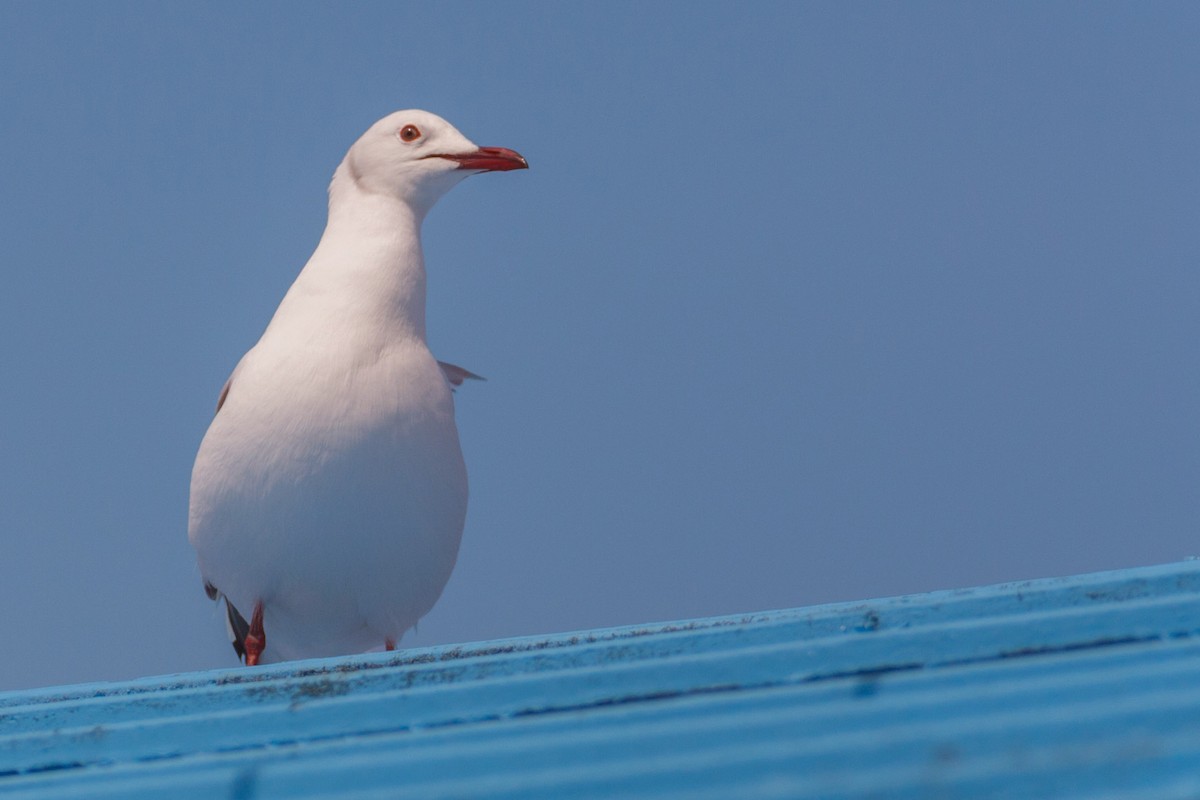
410	133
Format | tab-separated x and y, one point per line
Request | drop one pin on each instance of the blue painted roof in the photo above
1081	687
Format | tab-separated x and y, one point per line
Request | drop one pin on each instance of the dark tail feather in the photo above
235	623
238	628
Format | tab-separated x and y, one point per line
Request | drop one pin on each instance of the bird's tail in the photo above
235	623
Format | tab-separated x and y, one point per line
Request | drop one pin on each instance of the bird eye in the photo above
410	133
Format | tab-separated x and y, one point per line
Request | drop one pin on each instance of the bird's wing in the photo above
454	374
228	384
224	394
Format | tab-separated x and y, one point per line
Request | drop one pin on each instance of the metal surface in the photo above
1081	687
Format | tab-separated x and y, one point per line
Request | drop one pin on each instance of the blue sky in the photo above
798	303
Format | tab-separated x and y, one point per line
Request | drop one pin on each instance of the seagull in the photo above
329	494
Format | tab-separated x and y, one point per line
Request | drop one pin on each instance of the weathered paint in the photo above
1086	686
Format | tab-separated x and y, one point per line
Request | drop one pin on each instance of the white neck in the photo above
366	278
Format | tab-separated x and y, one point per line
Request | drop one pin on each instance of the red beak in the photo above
488	159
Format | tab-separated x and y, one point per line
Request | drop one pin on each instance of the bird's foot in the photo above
389	644
256	638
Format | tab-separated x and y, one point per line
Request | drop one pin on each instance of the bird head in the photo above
417	157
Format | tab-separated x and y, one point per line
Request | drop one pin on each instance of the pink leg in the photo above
390	644
256	639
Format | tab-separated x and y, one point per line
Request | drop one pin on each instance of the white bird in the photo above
329	494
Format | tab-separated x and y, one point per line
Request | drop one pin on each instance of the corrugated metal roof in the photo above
1081	687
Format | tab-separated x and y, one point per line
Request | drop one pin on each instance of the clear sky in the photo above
798	302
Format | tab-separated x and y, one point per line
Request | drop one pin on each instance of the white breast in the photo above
335	494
